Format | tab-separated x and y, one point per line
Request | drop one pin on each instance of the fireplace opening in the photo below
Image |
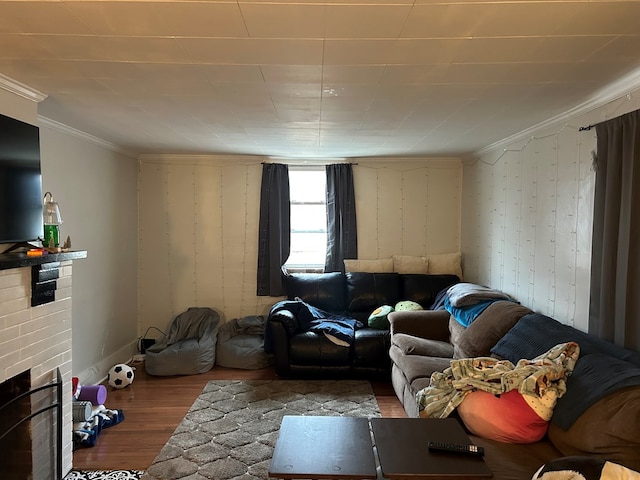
15	446
30	429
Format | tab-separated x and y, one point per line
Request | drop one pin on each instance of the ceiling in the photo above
314	79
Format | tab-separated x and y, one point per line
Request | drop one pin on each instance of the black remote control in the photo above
468	449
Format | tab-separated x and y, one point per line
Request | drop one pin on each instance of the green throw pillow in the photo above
407	305
378	318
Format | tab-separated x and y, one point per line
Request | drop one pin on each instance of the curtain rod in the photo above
312	165
588	127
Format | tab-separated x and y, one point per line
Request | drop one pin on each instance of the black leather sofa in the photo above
303	353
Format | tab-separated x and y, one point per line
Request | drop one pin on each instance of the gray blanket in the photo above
465	294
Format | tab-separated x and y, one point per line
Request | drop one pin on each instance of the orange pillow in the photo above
506	418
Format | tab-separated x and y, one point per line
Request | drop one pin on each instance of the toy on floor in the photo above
89	414
120	376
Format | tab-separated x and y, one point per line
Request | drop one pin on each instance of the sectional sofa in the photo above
598	416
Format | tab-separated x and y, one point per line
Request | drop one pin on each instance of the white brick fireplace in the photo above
38	339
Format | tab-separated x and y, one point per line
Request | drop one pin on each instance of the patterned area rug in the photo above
104	475
231	429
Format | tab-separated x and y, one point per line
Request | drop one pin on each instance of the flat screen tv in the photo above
20	182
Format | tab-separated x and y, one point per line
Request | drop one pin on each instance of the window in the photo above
307	188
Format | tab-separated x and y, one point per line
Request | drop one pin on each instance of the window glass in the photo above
308	217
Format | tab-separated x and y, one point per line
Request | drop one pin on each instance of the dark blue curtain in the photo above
274	229
614	311
342	236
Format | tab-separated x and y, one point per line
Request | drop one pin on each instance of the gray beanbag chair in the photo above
189	347
241	344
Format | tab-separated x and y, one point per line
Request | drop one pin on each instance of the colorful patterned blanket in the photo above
543	377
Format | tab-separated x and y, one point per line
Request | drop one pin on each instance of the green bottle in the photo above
51	236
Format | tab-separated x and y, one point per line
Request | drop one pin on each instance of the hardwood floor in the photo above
154	406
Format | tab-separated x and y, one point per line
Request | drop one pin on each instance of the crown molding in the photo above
67	130
20	89
618	89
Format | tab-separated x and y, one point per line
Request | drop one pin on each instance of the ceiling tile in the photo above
161	19
365	21
284	21
253	51
51	17
111	49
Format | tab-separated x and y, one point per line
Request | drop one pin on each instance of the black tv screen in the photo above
20	182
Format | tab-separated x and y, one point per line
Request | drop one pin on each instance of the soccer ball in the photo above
120	375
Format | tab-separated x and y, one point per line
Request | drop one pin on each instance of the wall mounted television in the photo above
20	182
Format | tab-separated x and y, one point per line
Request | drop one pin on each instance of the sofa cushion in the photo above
423	289
371	349
325	291
535	334
417	366
505	418
608	429
367	291
410	345
311	348
489	327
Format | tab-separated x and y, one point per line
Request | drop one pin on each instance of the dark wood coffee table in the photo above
323	447
402	446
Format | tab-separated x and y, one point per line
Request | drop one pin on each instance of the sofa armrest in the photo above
431	324
287	319
279	347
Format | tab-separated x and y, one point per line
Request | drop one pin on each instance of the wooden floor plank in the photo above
154	406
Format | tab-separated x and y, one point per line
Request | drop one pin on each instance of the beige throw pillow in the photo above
446	263
384	265
410	264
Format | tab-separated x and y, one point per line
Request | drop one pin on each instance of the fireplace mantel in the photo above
19	260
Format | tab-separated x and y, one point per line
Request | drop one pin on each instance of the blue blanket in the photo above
313	319
467	314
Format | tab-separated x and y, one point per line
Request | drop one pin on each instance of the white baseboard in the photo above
98	372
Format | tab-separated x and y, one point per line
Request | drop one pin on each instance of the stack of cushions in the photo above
465	301
437	264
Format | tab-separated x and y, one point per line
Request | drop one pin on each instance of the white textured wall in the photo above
407	207
96	190
198	224
527	215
